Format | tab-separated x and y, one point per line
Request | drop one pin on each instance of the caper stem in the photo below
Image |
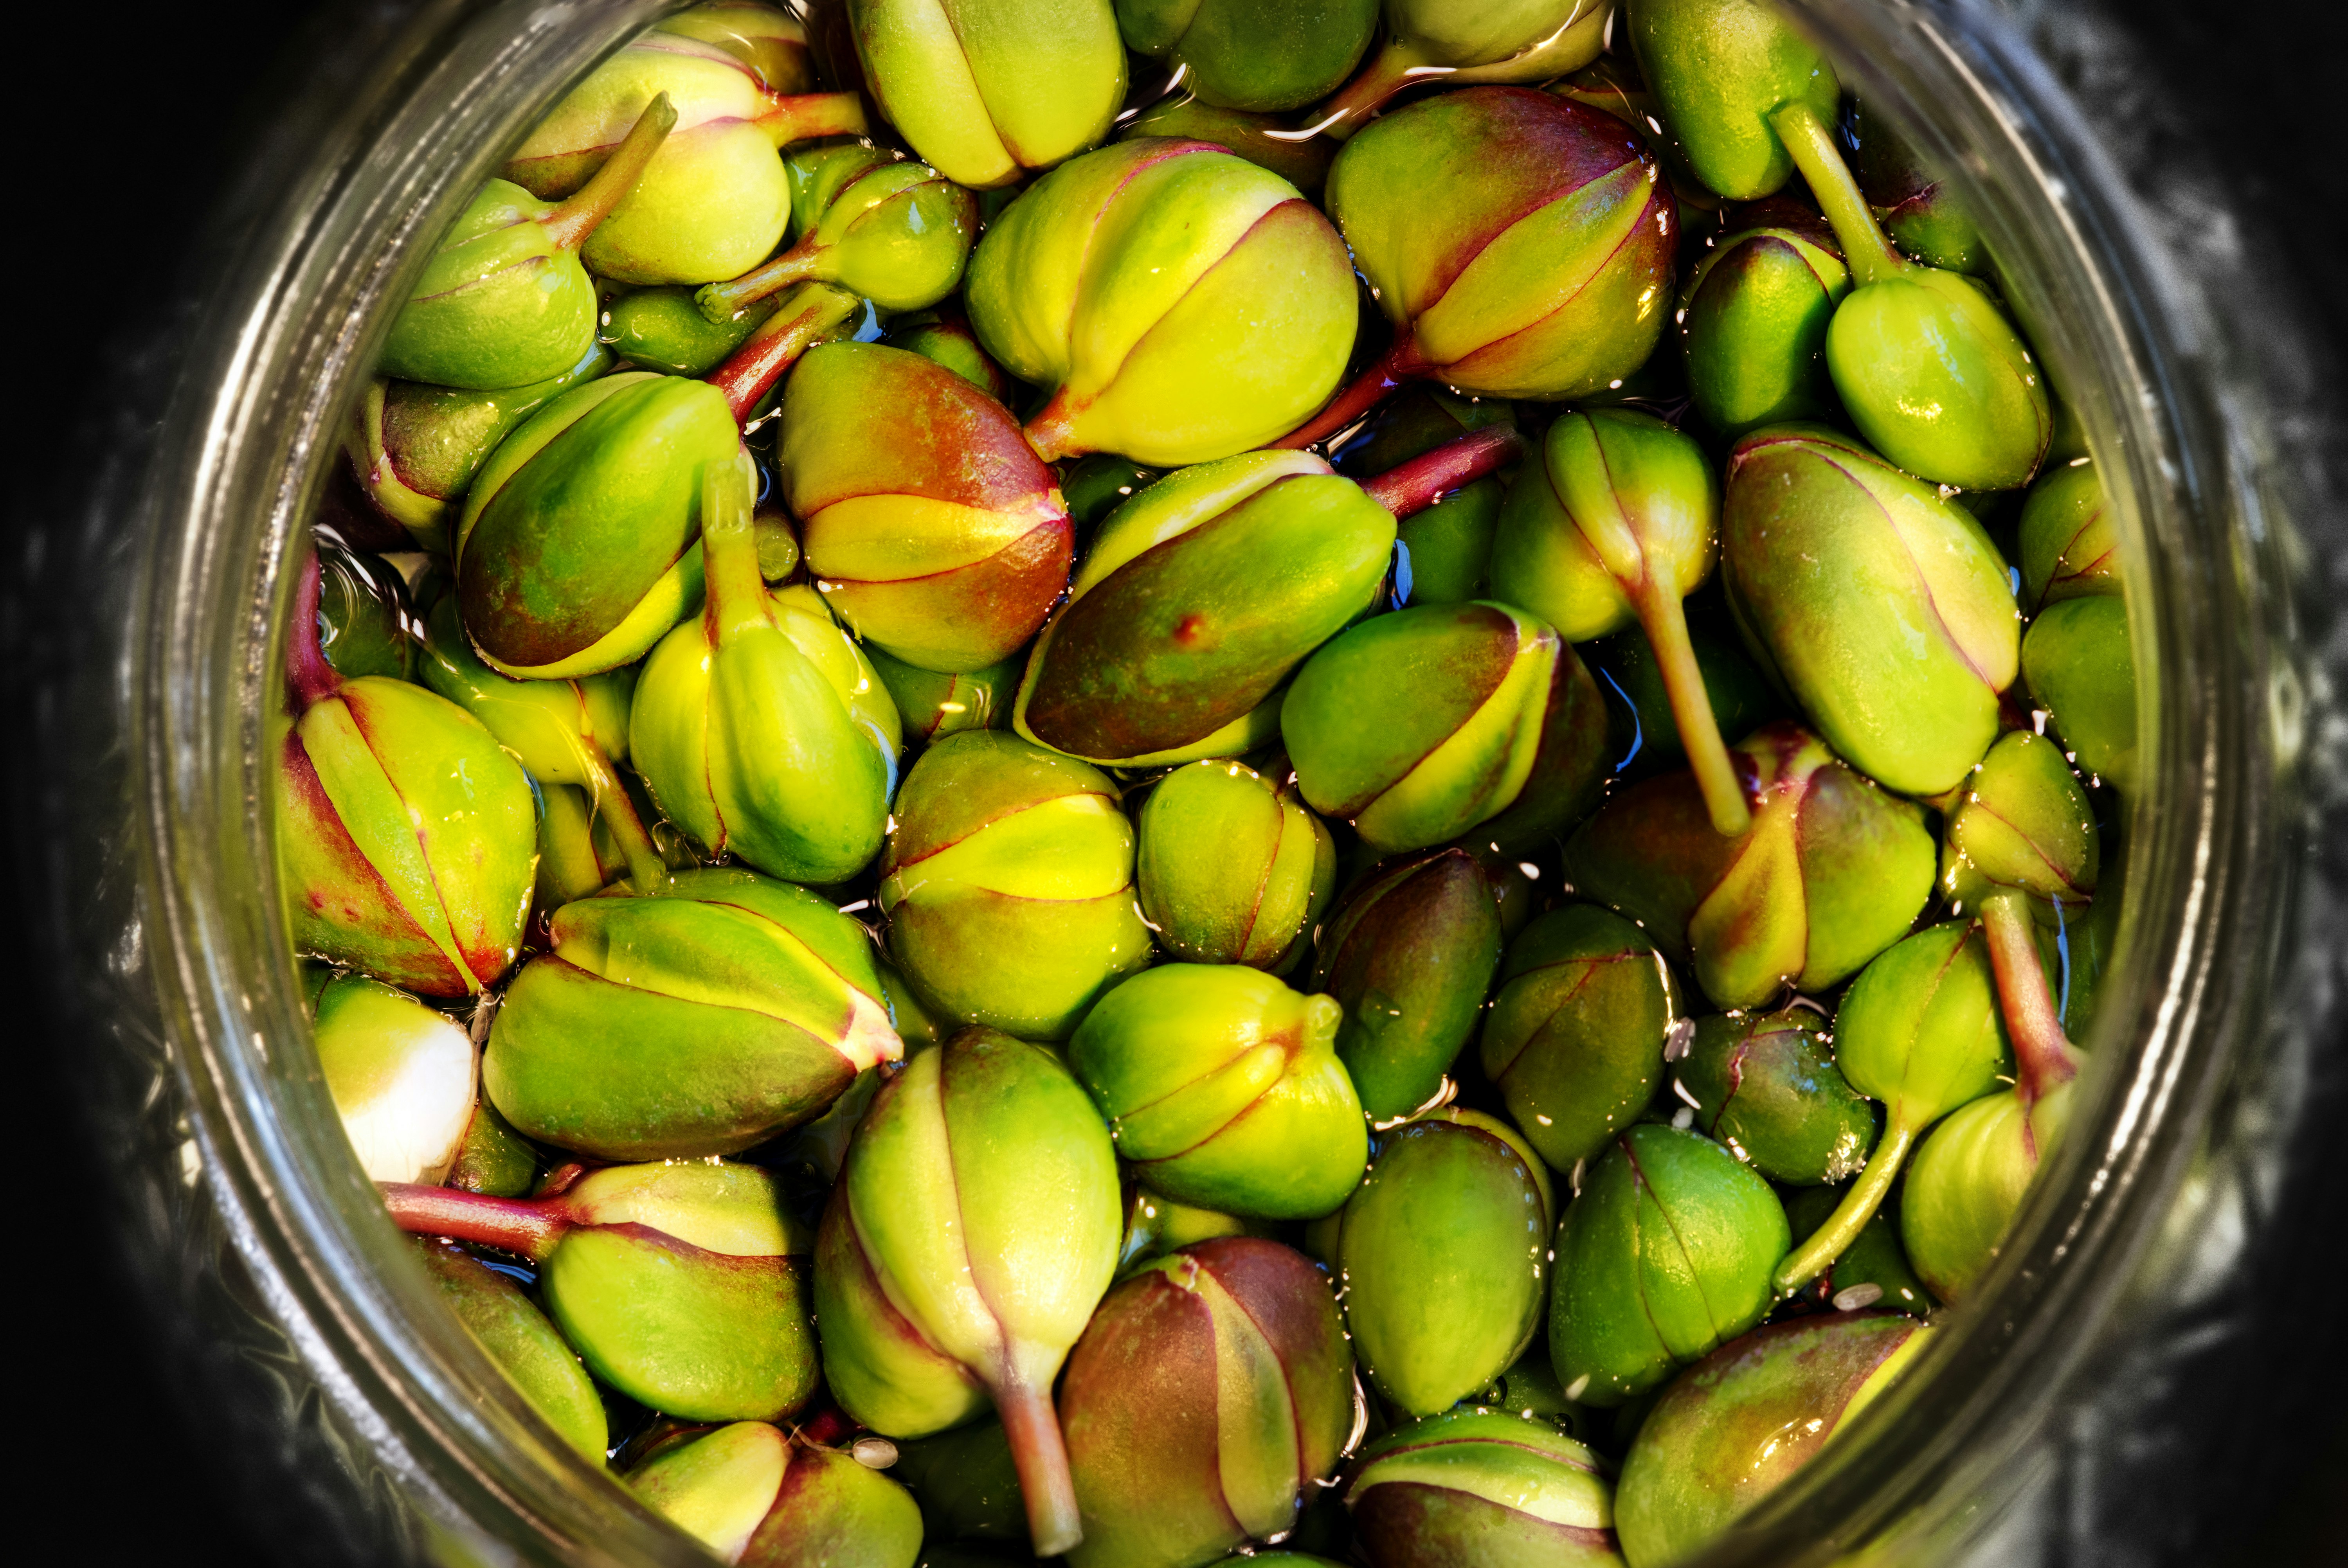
1865	251
800	117
311	677
1041	1457
569	225
1053	430
1829	1241
528	1227
736	594
646	869
1411	487
721	303
1398	365
799	323
1664	619
2041	1050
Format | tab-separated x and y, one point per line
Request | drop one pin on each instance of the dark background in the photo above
137	116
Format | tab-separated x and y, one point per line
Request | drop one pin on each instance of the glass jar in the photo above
236	1139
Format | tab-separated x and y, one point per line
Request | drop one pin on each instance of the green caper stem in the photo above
312	680
2041	1050
722	302
800	117
530	1228
1865	251
1040	1455
1664	619
646	869
1829	1241
569	225
729	550
799	323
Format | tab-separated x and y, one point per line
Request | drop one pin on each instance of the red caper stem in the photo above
569	225
529	1227
312	680
1052	432
1040	1455
2041	1050
1399	364
802	321
1428	478
561	1179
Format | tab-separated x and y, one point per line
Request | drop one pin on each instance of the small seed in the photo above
879	1453
1857	1296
